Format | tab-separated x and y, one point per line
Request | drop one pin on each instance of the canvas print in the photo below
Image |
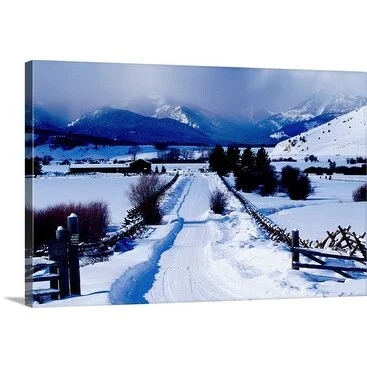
159	184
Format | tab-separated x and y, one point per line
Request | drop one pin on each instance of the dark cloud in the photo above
80	87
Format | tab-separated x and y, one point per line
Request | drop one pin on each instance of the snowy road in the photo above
182	272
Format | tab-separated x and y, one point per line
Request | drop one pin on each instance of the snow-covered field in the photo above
330	205
111	188
197	255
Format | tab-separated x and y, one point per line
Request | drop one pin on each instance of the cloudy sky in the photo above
80	87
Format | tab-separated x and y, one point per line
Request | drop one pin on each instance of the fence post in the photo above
73	228
295	243
58	252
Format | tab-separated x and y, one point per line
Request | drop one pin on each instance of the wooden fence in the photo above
275	232
320	257
133	226
345	240
52	274
342	240
66	254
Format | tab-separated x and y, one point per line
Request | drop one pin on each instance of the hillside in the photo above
345	136
316	110
128	127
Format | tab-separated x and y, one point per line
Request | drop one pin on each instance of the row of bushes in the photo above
356	160
291	181
94	217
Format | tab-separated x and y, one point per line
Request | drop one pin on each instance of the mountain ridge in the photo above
314	111
126	126
345	135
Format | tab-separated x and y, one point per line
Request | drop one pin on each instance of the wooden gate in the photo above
61	269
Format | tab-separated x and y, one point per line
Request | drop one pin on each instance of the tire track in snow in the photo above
137	280
183	276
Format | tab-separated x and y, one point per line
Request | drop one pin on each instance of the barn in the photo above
138	166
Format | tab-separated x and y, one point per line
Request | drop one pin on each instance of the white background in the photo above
295	34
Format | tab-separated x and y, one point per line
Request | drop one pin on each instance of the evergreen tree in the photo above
262	161
246	180
248	159
255	173
218	160
163	170
233	157
156	169
270	182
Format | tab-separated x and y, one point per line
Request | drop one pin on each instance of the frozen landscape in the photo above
197	255
283	155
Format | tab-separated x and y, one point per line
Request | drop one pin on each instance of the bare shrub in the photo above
144	196
360	194
218	202
94	217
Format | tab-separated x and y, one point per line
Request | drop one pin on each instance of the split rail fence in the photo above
344	243
66	254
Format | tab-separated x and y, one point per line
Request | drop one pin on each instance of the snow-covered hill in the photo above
345	136
320	108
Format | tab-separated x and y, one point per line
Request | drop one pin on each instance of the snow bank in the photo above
136	281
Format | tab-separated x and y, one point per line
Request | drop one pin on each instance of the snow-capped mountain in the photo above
129	127
318	109
345	135
219	128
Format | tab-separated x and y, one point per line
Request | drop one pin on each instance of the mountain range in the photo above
220	128
160	119
316	110
128	127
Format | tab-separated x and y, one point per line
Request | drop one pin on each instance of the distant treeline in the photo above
356	160
362	170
